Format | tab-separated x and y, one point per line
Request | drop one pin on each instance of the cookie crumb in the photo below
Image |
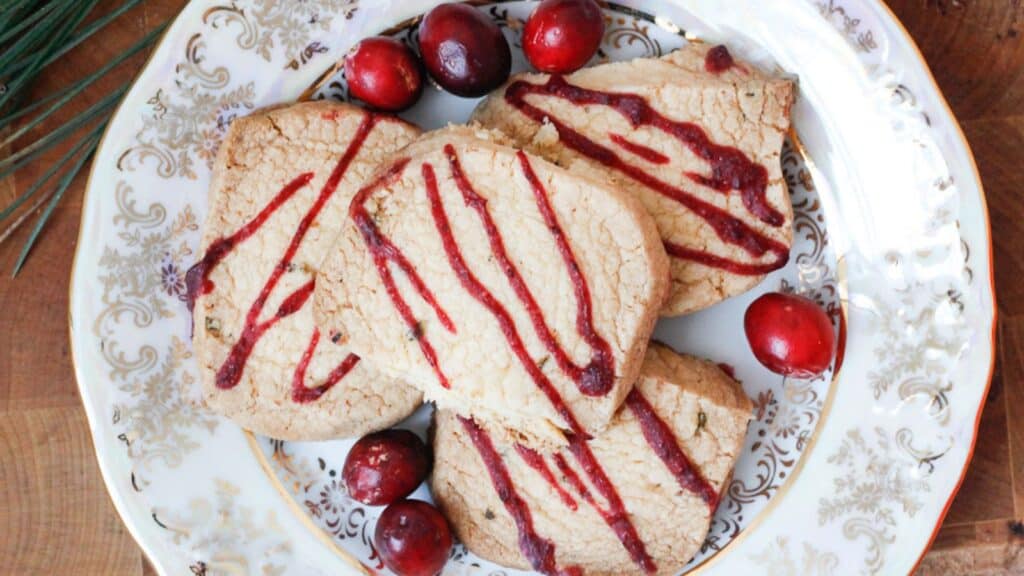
212	326
416	332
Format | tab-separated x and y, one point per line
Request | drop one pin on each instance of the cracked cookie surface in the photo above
700	149
501	285
273	212
706	413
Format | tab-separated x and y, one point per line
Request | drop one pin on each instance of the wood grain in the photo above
976	51
56	515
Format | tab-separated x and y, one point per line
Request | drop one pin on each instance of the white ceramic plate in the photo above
848	473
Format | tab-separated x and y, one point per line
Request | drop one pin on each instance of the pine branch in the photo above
56	167
21	157
33	35
38	35
65	182
82	85
11	12
25	23
79	37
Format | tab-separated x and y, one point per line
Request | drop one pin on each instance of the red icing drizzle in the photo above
540	552
383	252
480	293
645	152
574	480
661	439
730	170
595	379
198	281
728	369
231	371
616	515
718	60
303	394
534	460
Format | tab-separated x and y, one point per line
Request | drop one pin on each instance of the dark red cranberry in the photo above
790	334
562	35
384	73
464	50
385	466
413	538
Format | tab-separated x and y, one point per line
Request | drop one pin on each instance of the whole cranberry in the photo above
464	50
385	466
384	73
562	35
413	538
790	335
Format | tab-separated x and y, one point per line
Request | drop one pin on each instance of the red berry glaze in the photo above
718	60
790	334
464	50
384	73
562	35
413	538
385	466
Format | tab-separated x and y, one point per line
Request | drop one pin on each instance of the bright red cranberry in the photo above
384	73
413	538
464	50
385	466
562	35
790	334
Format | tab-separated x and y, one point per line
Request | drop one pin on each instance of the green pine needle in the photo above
65	182
18	159
33	35
29	109
51	40
82	85
11	12
79	37
25	23
51	171
27	44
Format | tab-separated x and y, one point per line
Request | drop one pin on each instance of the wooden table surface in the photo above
57	518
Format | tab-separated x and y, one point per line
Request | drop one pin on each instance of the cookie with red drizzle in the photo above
486	277
642	492
279	189
696	135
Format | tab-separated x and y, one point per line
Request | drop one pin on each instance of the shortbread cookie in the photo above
637	499
506	288
695	135
281	186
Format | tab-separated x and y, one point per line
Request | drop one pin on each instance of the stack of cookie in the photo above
511	272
